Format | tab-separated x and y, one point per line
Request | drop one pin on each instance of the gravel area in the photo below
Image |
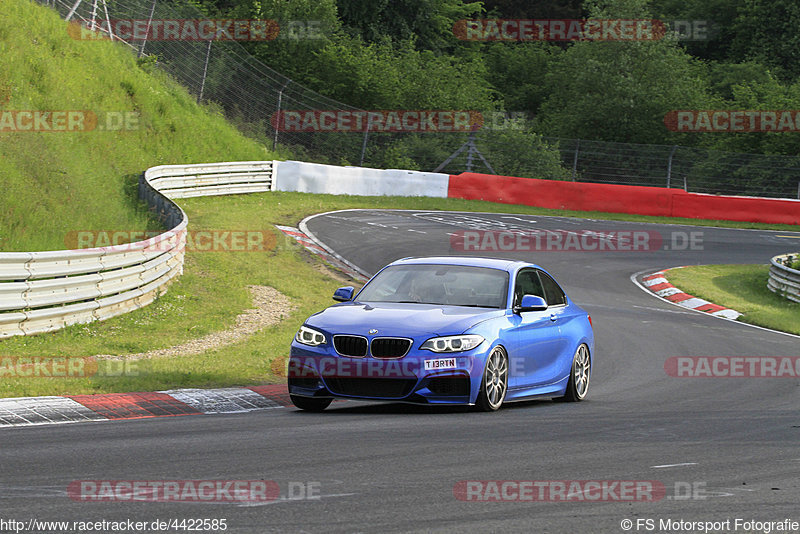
270	307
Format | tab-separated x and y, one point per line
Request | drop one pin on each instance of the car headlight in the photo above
452	343
309	336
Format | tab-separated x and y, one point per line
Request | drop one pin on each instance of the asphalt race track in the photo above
723	448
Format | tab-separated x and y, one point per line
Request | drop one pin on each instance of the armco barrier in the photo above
45	291
330	179
580	196
784	280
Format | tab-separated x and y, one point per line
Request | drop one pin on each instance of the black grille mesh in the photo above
350	345
390	347
387	388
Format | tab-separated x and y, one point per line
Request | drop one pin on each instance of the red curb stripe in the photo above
293	233
679	297
134	405
659	287
710	308
276	392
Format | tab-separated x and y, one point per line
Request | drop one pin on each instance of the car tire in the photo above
578	384
494	384
310	404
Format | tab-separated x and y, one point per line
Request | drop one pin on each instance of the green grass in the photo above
742	288
57	182
210	294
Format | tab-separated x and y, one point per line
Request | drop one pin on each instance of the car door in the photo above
536	337
565	316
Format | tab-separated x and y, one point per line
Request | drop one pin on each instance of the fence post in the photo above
278	114
72	10
364	144
471	142
669	164
205	70
108	21
575	160
149	22
94	15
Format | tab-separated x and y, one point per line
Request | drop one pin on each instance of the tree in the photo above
766	31
394	75
537	9
706	27
428	22
621	90
518	72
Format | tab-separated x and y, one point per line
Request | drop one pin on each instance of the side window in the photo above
527	284
553	294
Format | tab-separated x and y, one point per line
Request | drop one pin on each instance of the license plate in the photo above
442	363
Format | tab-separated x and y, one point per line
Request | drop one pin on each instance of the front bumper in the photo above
321	372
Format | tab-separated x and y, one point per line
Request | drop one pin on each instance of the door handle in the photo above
553	317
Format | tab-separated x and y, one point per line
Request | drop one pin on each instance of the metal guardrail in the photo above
46	291
783	279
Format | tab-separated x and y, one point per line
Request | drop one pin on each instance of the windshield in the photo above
447	285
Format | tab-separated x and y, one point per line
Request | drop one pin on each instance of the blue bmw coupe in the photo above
445	330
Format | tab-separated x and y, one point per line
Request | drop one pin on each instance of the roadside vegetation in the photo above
742	288
54	182
213	291
404	54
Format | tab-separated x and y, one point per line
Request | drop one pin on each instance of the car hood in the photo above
395	319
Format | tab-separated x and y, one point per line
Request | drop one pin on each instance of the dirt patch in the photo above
270	307
336	275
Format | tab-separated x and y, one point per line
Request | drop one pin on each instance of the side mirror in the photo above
531	303
344	294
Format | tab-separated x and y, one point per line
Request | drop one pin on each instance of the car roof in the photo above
467	261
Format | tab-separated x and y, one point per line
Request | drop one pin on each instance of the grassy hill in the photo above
54	182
